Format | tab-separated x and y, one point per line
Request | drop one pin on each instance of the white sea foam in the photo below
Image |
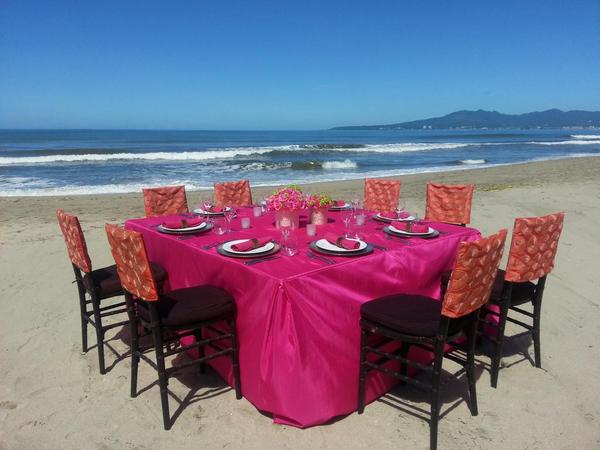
27	187
346	164
472	161
215	154
595	137
569	142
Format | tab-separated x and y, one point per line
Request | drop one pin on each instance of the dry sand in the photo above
52	396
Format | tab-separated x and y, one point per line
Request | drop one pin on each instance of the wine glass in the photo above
347	215
355	204
285	227
229	213
399	210
207	204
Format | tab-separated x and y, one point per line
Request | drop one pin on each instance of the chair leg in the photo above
236	363
537	310
498	342
163	381
404	347
435	393
198	336
135	357
470	368
362	371
99	333
83	315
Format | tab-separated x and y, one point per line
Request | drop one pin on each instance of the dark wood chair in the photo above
415	320
530	260
169	316
449	203
95	287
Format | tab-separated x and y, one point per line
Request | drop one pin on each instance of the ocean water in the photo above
70	162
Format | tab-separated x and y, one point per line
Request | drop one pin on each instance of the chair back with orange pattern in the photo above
164	201
449	203
76	247
473	275
133	265
381	195
533	247
236	193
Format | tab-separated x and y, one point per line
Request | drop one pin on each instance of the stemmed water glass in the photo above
347	215
229	213
287	229
399	210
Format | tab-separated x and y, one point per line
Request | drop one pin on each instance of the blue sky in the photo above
290	64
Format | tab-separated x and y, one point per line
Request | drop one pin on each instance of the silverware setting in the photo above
398	239
324	259
259	260
380	247
209	246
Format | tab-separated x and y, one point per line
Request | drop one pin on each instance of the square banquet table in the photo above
298	317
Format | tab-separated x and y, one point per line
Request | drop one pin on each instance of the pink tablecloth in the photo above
298	318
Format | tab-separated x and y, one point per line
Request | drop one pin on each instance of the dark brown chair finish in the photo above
170	316
531	259
430	324
99	285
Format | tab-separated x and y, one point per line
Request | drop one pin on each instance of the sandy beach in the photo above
52	395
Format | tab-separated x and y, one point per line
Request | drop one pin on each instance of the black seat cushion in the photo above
415	315
521	292
191	305
106	283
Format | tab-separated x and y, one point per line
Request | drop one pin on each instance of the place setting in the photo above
340	205
397	215
410	229
210	209
335	245
255	250
184	227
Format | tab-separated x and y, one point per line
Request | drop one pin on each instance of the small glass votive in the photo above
311	229
257	210
360	219
219	227
245	222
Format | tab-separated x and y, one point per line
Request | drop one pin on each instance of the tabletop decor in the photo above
318	205
287	204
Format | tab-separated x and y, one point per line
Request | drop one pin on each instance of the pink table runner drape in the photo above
298	318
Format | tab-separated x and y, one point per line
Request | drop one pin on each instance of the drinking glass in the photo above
291	244
207	204
219	226
245	223
311	229
257	211
229	213
399	210
347	215
356	204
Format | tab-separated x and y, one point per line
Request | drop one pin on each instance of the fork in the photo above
209	246
259	260
324	259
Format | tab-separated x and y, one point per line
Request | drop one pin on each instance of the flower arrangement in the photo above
319	201
290	198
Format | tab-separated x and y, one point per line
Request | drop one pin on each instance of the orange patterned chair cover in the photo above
133	265
473	275
449	203
533	247
233	193
166	200
76	247
381	195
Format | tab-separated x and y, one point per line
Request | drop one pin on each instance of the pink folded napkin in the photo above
393	216
251	244
215	209
181	223
342	242
340	203
416	228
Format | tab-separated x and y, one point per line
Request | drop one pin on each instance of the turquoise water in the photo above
61	162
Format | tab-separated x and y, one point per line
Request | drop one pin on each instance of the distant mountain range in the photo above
552	118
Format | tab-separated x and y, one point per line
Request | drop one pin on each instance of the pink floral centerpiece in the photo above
287	204
318	204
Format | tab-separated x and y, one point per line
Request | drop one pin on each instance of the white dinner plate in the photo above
209	213
326	245
184	230
265	248
335	208
387	219
407	233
